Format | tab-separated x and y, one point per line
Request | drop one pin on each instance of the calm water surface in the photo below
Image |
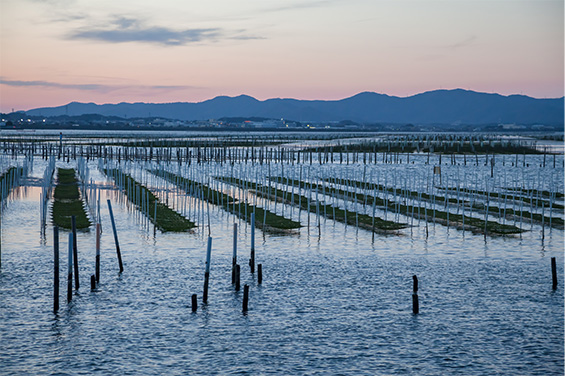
332	302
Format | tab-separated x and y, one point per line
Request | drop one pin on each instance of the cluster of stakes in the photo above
236	270
73	270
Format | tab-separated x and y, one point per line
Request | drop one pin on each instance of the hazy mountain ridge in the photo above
432	107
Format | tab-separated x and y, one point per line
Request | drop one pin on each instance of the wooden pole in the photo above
75	251
207	273
252	259
245	297
415	302
115	237
554	273
259	273
55	269
97	269
237	279
93	282
234	257
194	302
70	270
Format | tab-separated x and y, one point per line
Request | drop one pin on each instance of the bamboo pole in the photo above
207	272
119	254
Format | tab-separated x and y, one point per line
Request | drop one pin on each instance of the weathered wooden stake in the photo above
207	273
70	270
554	272
97	269
55	269
259	273
93	282
252	259
415	301
75	251
237	279
245	297
234	257
415	304
115	237
194	303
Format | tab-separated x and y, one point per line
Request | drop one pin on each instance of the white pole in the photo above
70	269
207	273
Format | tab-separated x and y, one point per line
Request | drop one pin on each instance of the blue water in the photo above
332	301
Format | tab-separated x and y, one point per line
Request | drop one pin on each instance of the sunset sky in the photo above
57	51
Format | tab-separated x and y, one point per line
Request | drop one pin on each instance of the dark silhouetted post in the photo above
55	269
554	272
245	297
75	250
260	273
115	236
237	280
207	273
93	282
194	303
415	301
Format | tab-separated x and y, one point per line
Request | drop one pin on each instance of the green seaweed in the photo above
67	202
273	222
167	219
478	225
329	211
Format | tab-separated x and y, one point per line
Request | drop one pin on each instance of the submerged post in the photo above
245	297
259	273
237	279
75	250
415	301
252	259
194	302
97	269
554	272
115	236
55	269
70	270
234	257
207	273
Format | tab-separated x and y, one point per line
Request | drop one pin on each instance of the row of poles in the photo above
352	153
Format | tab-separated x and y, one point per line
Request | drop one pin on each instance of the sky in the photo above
53	52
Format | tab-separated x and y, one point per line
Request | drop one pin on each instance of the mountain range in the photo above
432	107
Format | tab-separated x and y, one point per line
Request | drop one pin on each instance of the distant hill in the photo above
432	107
